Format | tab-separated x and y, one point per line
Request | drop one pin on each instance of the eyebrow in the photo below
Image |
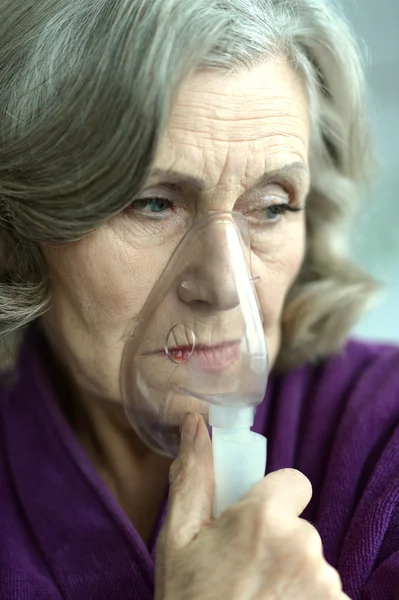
296	170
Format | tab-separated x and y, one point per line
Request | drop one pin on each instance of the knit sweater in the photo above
63	535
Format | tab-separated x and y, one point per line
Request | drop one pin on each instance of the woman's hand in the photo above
258	549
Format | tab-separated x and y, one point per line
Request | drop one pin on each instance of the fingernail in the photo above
190	426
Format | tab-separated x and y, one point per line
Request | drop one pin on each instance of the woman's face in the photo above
234	142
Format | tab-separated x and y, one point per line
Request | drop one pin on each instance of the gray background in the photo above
375	241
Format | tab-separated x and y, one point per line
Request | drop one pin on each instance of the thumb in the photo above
192	482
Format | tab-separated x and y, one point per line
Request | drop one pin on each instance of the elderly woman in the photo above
123	122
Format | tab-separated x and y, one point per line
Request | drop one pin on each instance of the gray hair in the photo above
86	87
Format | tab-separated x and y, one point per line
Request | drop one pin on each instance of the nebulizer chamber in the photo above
198	345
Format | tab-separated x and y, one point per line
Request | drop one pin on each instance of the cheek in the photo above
278	269
101	282
99	286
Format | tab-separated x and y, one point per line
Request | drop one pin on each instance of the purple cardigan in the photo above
63	536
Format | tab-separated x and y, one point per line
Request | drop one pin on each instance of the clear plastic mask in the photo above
198	341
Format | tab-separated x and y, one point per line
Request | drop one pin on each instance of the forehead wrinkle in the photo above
191	129
225	133
295	170
202	167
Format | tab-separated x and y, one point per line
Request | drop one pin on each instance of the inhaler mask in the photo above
198	345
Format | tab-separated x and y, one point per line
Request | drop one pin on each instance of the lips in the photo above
208	358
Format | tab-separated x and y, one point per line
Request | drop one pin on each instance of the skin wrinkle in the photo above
100	283
295	158
242	139
159	177
231	117
206	118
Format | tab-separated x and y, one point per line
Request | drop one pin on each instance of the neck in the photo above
136	476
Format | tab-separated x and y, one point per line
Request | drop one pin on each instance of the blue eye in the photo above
273	212
151	205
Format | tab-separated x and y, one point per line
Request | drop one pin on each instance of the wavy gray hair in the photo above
86	87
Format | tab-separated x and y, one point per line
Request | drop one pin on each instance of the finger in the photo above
192	483
288	489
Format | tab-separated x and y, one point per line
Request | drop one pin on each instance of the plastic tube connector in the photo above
239	454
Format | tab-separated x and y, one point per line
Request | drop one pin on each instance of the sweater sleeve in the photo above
384	581
367	452
338	423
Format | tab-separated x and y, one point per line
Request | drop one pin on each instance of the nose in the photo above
210	276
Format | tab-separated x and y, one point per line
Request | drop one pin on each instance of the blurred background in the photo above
375	243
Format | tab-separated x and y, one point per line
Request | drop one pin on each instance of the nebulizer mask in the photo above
198	345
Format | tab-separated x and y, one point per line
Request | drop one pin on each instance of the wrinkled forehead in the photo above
226	129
